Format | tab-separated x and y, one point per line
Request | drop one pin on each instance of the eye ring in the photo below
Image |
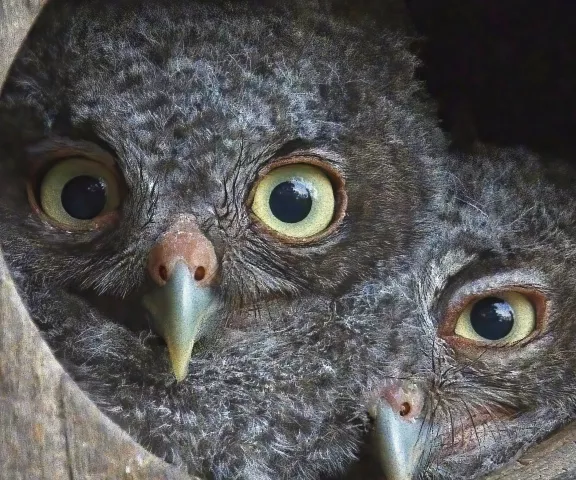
447	328
49	155
338	188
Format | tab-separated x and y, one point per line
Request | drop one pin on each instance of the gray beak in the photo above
179	310
402	437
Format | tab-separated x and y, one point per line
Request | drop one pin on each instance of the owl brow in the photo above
437	277
292	146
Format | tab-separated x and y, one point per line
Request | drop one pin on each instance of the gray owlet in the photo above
477	321
171	174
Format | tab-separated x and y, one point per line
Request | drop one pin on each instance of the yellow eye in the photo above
76	191
503	318
296	200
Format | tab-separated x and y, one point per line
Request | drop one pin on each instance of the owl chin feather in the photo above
283	400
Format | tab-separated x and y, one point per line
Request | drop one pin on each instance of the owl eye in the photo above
77	191
504	318
295	200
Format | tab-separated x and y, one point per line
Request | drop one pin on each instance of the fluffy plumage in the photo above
503	221
193	99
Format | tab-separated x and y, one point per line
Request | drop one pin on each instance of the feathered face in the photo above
180	167
197	158
479	324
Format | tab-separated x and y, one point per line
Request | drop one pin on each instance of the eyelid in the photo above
332	171
42	155
328	157
521	279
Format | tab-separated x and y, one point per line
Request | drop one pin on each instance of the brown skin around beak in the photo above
183	264
183	242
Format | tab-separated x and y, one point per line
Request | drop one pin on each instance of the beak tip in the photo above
180	358
180	375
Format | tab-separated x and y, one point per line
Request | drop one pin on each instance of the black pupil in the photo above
84	197
290	201
492	318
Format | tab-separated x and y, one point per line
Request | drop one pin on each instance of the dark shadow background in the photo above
502	70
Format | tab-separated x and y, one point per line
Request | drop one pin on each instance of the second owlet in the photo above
171	173
477	321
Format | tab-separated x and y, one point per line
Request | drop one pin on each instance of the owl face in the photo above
199	158
478	323
212	172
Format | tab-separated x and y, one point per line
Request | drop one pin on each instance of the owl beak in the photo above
183	265
178	310
402	438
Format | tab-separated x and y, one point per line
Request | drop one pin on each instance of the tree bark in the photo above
554	458
16	17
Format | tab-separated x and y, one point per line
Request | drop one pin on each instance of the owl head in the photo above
172	163
477	322
214	171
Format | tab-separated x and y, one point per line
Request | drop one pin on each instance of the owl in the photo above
185	187
477	321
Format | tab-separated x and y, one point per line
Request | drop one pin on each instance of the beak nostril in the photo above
405	409
199	274
163	272
183	243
